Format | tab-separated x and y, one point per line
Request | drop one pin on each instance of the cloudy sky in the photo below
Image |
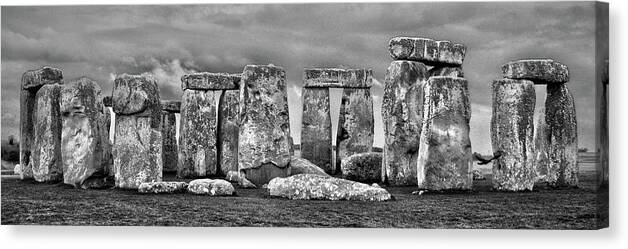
171	40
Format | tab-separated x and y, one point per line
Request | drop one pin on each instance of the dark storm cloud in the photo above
169	41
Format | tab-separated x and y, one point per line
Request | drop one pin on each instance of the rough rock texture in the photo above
541	159
173	106
355	124
426	50
317	187
197	134
303	166
316	132
210	81
45	160
264	137
162	187
446	71
338	78
108	144
512	131
137	146
228	131
214	187
106	101
402	114
477	175
31	82
240	179
363	167
170	151
445	158
540	71
562	135
86	150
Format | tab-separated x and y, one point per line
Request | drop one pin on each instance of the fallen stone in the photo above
402	114
445	158
375	185
562	135
137	147
228	131
106	101
213	187
426	50
170	151
17	169
541	159
512	134
264	144
316	187
162	187
540	71
338	78
197	136
31	82
240	179
86	150
173	106
316	131
45	161
355	124
210	81
303	166
98	181
362	167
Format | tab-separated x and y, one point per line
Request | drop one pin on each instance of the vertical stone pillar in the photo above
108	116
445	157
137	146
85	150
316	130
46	147
541	160
170	152
402	113
32	81
512	131
228	130
356	121
264	146
199	125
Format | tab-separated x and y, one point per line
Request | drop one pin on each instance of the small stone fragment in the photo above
135	95
362	167
540	71
213	187
162	187
210	81
426	50
316	187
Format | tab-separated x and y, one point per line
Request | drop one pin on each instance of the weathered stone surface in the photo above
337	78
197	134
31	82
173	106
138	144
316	131
562	135
426	50
540	71
541	159
317	187
86	150
162	187
170	151
107	145
228	131
355	125
303	166
363	167
512	134
477	175
106	100
210	81
446	71
240	179
45	160
264	137
214	187
135	95
445	158
602	167
402	114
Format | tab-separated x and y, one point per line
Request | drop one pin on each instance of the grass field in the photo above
44	204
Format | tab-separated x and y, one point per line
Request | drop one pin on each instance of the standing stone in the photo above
541	159
562	135
228	131
512	131
264	144
602	166
170	153
45	160
31	82
402	113
105	132
85	150
316	132
137	146
445	158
